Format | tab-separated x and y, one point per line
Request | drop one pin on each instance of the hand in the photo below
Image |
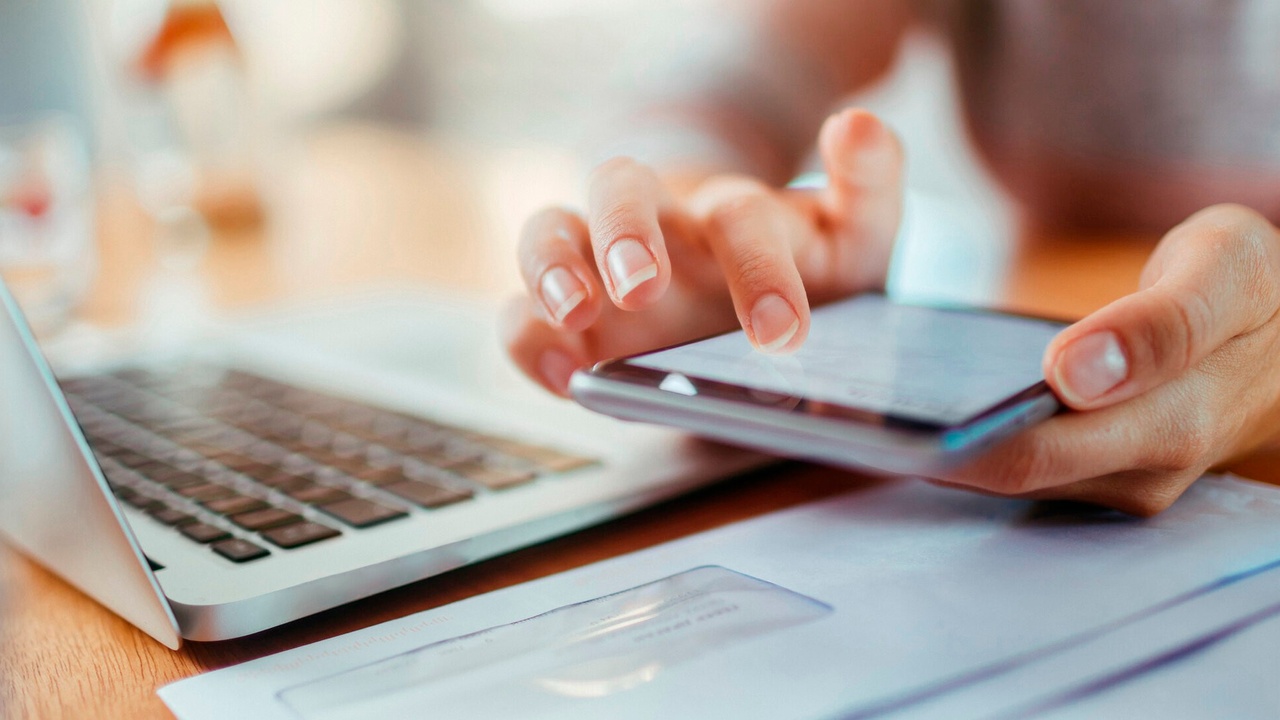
643	268
1175	378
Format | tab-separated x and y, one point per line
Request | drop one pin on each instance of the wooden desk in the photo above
356	205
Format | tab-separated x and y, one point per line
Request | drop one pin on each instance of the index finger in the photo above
624	202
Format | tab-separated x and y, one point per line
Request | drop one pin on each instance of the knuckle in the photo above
1244	244
1170	331
720	191
1023	469
1255	257
754	267
1239	237
1190	325
736	213
735	201
621	218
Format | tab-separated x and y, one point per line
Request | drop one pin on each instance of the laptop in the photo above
278	467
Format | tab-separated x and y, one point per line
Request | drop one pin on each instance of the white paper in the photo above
1078	674
587	650
942	603
1233	678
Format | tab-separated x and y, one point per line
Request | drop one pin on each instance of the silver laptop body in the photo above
63	505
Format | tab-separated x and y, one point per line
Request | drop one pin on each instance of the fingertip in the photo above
849	132
567	299
865	164
775	326
636	276
556	271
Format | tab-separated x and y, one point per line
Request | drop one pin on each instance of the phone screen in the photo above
937	366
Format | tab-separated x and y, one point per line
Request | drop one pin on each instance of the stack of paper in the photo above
901	600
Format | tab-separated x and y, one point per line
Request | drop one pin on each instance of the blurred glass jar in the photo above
47	243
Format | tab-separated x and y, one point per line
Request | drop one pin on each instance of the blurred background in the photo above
148	146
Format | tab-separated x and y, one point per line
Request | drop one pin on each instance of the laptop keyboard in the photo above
249	466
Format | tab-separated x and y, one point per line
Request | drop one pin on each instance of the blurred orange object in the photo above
189	25
194	60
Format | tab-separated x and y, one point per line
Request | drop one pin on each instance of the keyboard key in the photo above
206	492
130	459
237	550
169	476
382	475
545	458
286	425
157	471
358	512
427	494
556	461
144	503
347	445
282	479
170	516
266	518
234	460
235	505
350	465
203	532
299	534
293	446
257	470
182	481
318	494
494	478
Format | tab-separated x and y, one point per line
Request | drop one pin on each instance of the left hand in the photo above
1175	378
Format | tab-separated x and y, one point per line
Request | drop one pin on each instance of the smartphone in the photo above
878	385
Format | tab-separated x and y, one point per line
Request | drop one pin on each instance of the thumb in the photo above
864	164
1212	278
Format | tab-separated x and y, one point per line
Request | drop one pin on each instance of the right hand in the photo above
643	270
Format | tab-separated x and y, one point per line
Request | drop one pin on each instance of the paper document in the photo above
1233	676
896	600
589	650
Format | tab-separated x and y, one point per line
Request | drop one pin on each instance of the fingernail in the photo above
561	291
630	265
1091	366
557	368
773	323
